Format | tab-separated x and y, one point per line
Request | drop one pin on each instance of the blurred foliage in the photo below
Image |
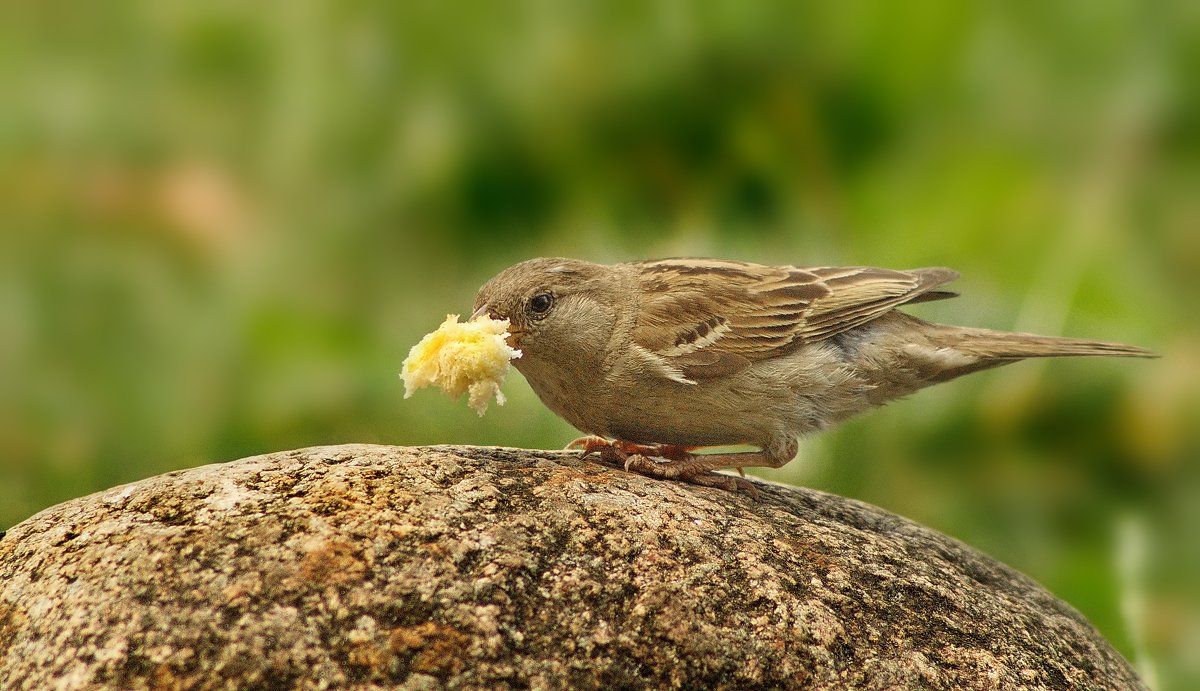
223	225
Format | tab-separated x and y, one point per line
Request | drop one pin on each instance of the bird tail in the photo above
1005	345
988	348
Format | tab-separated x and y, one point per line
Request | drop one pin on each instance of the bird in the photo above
656	360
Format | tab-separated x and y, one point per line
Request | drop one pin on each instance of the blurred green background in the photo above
223	224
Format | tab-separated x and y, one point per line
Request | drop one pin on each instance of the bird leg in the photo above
679	463
594	444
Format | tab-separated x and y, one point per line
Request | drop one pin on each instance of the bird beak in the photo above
514	335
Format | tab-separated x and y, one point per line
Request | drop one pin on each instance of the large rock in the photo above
485	567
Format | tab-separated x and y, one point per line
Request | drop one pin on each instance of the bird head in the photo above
557	308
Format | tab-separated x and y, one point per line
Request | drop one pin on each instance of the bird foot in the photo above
608	451
593	444
589	444
692	470
678	463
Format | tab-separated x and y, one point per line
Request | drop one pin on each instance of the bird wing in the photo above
704	318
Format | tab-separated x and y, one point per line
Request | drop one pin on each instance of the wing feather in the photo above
705	318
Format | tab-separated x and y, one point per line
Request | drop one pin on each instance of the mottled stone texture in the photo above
467	567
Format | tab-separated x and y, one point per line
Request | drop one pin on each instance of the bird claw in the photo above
589	445
728	483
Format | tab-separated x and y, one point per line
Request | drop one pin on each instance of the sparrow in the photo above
657	359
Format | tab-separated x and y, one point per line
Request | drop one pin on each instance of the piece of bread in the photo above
469	357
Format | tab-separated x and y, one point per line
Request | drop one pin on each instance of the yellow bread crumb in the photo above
472	356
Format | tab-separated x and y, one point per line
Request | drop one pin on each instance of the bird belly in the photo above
771	399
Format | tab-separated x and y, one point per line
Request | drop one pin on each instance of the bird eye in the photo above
540	303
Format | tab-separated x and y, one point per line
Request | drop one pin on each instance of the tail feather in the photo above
1003	345
985	349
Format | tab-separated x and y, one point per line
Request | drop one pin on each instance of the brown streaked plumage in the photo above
666	356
